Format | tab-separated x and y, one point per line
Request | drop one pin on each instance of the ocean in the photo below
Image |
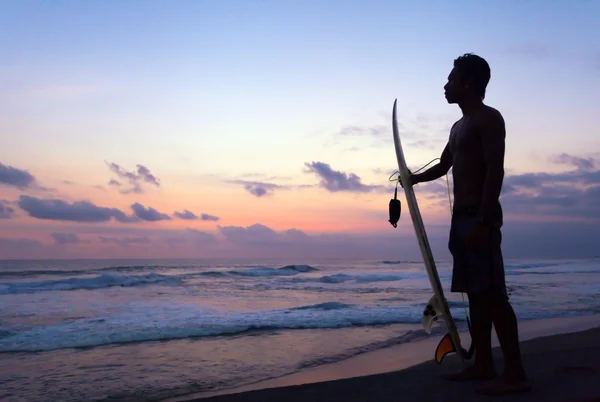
107	330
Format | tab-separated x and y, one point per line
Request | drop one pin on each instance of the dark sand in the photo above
563	368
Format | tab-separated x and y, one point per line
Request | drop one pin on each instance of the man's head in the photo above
468	79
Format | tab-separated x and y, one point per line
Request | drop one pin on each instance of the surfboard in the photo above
437	307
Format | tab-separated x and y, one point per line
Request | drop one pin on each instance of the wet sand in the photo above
563	367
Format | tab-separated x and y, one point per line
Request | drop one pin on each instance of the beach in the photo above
562	367
175	330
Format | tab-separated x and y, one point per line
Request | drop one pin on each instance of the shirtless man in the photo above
475	151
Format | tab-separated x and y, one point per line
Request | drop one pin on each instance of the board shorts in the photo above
476	270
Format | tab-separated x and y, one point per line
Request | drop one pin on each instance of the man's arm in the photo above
493	134
436	171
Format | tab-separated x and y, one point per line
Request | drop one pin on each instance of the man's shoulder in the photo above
453	126
492	115
490	119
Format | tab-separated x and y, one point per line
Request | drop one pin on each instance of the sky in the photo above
262	129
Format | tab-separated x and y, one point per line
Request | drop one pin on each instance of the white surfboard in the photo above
437	307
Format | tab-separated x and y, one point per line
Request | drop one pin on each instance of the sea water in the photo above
128	330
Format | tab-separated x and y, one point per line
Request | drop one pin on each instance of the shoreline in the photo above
406	357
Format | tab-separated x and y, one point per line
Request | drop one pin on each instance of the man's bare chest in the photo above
464	136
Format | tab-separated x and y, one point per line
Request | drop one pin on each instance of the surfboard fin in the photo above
444	348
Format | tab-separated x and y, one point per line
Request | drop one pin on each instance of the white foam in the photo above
89	283
147	322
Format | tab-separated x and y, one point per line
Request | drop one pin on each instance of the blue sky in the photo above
208	94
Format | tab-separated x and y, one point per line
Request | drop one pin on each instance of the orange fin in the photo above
443	348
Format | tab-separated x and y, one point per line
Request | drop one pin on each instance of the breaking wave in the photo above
159	322
96	282
107	280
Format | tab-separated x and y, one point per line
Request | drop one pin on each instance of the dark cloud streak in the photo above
6	212
148	214
134	179
18	178
126	241
78	211
189	215
335	180
257	188
66	238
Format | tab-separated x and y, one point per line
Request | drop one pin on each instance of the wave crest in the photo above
96	282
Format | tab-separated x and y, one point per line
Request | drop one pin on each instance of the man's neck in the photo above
470	106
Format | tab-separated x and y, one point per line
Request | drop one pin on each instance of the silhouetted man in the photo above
475	151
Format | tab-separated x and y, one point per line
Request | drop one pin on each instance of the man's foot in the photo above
502	386
473	373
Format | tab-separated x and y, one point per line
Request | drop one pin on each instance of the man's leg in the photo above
503	316
481	329
505	322
514	378
481	337
472	274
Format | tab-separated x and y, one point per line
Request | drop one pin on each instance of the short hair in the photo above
475	70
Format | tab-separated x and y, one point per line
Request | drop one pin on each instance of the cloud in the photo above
6	212
257	188
19	247
134	179
126	241
264	176
261	234
14	177
148	214
186	215
428	131
189	215
256	233
334	180
570	194
360	131
551	239
78	211
66	238
200	238
207	217
192	238
521	239
175	241
85	211
578	162
387	172
260	241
